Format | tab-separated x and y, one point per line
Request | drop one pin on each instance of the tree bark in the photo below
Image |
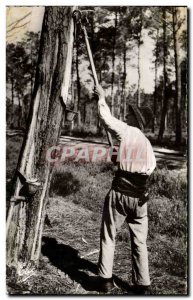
31	73
178	77
46	112
165	80
113	66
12	103
119	116
139	76
77	75
84	112
124	81
19	124
154	123
139	59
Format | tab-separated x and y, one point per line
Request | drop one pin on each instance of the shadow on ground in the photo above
66	259
72	184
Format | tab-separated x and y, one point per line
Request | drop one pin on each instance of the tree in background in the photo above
20	71
116	36
124	41
137	35
10	77
177	21
165	77
155	19
114	28
16	75
31	45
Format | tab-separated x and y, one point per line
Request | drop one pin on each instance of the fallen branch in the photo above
90	253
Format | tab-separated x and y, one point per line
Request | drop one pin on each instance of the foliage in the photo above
116	34
20	71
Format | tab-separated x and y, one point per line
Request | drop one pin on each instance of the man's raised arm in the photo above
116	127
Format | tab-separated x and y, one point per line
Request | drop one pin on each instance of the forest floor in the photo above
70	241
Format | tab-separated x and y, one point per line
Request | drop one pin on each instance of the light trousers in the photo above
117	209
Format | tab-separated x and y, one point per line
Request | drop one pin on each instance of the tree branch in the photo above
16	27
17	21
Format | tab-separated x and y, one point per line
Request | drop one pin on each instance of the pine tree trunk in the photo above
113	67
139	75
31	73
178	77
154	123
85	113
119	98
12	103
165	97
19	113
166	121
98	125
26	218
74	98
124	81
77	75
139	60
90	117
79	119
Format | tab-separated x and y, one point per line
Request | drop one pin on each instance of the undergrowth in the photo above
77	195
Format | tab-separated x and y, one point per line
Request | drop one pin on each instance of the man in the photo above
127	197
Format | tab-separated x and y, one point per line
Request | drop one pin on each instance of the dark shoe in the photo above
101	284
141	290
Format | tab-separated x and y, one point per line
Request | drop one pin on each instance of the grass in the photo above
91	180
76	200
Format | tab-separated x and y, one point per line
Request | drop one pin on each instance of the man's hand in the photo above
98	90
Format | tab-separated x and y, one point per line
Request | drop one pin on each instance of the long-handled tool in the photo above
81	19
